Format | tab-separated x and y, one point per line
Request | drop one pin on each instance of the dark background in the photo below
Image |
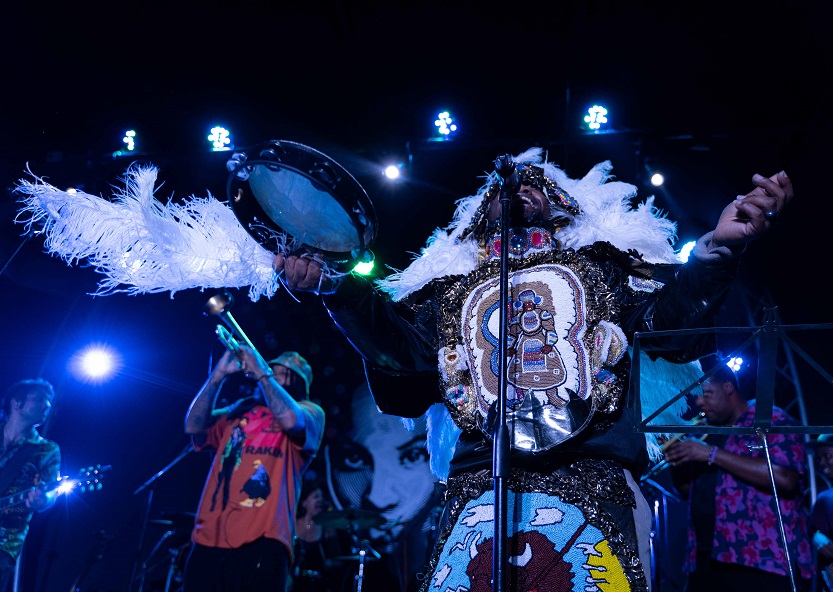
710	92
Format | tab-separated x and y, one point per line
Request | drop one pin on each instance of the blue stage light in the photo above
445	125
596	117
129	141
735	364
220	139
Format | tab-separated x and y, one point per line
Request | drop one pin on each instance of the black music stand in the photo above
768	336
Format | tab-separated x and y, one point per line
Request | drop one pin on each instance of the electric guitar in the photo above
88	479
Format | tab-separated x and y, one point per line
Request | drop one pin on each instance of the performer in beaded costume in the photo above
586	272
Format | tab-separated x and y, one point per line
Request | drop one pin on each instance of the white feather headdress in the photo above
606	215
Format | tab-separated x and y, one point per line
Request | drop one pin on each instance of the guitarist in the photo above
26	460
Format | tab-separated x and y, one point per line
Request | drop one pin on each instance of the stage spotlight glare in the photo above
66	486
685	252
735	364
657	179
220	139
596	117
393	171
445	124
95	363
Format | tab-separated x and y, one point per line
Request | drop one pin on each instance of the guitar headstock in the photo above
87	479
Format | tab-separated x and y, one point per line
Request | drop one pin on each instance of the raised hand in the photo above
751	215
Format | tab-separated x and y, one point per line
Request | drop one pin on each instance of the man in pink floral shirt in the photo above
734	536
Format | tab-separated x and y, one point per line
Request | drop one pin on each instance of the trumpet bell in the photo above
218	303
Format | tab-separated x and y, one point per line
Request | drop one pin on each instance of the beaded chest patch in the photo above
563	348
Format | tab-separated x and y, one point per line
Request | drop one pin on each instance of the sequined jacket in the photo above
401	342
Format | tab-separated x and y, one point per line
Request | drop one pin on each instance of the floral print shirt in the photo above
746	530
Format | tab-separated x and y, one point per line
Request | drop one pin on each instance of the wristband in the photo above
265	375
712	455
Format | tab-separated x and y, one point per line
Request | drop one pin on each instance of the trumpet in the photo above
218	305
698	419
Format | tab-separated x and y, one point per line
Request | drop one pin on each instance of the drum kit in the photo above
162	571
353	520
163	567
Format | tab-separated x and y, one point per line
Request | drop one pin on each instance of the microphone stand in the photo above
146	516
509	183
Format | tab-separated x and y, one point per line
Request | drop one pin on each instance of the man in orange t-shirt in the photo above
244	528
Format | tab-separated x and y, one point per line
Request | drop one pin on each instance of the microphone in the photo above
507	173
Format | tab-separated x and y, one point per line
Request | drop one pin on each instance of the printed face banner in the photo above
381	466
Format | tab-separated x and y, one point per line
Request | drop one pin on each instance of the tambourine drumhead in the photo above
284	188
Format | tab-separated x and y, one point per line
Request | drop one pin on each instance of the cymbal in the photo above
368	557
177	519
349	518
370	554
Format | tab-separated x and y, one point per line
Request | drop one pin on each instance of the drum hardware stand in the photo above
174	556
361	548
656	558
140	567
143	566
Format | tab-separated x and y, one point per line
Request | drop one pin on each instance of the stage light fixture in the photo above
220	139
445	125
735	364
657	179
129	141
685	252
596	117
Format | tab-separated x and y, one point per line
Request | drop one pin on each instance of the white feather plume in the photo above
143	246
659	381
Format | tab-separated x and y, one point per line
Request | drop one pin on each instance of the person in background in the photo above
315	567
243	539
821	514
734	539
28	461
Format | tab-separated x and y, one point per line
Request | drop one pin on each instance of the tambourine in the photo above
287	195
